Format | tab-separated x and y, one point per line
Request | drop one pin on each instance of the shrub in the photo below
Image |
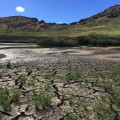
5	102
73	75
57	42
15	97
42	98
8	65
70	116
90	40
2	55
29	71
22	79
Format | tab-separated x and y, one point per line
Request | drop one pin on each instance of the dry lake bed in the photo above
59	83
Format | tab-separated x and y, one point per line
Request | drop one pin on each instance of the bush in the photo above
8	65
57	42
99	40
90	40
42	98
64	41
2	55
5	102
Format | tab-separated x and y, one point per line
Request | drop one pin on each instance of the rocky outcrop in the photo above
23	23
108	14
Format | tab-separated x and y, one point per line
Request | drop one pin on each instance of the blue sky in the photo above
64	11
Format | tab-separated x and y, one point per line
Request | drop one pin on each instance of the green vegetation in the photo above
29	71
70	116
17	39
93	34
0	117
48	76
6	98
31	82
15	97
23	79
104	112
2	56
5	102
73	75
90	94
57	42
82	109
90	40
69	36
102	29
42	98
8	65
108	105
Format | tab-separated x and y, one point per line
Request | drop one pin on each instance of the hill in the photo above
105	25
23	23
104	17
108	20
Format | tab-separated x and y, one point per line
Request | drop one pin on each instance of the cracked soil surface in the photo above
50	84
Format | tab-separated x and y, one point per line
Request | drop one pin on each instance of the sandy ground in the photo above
30	54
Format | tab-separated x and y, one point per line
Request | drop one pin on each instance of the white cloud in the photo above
59	22
20	9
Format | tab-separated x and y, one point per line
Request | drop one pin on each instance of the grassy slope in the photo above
105	34
110	28
104	23
103	29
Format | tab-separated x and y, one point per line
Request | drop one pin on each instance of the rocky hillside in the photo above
104	26
103	17
23	23
32	24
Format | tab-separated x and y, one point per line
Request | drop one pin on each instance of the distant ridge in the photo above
21	23
108	14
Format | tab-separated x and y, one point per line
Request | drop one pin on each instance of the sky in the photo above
59	11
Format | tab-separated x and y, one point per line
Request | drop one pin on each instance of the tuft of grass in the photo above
6	99
42	98
104	112
73	76
47	76
1	117
31	82
70	116
29	71
8	65
2	56
23	79
70	98
5	102
82	109
15	97
107	108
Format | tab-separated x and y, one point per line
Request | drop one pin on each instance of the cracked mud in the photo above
60	87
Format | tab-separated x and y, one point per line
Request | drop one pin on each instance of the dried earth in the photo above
60	84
